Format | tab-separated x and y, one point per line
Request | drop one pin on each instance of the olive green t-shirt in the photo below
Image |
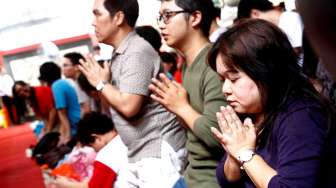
205	95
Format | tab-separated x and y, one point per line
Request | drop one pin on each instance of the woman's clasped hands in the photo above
234	135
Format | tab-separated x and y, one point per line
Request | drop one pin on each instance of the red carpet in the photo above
16	170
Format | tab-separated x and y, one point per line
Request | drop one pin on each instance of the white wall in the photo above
69	18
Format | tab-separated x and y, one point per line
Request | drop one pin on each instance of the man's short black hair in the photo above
50	72
93	123
129	7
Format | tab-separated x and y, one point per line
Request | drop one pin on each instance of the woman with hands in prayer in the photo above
277	130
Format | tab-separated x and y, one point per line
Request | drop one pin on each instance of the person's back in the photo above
309	120
44	100
66	98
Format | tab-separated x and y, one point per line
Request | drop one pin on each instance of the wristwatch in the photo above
245	156
100	86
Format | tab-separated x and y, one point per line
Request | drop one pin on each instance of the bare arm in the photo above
259	171
64	125
125	103
50	122
231	169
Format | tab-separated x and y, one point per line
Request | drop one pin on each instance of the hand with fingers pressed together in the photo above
93	71
234	135
169	93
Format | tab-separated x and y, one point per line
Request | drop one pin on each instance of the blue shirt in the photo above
296	150
65	97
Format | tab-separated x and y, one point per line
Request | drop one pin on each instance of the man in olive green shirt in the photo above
185	25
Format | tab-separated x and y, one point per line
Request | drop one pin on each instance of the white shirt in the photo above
6	84
114	155
291	23
214	35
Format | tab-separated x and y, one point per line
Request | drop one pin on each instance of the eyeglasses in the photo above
165	17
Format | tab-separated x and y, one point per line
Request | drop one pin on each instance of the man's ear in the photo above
255	13
120	17
196	18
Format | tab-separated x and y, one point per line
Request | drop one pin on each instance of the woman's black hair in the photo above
19	102
264	53
32	98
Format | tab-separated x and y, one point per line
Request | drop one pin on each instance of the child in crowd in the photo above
97	130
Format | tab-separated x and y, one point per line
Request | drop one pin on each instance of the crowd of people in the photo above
241	106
